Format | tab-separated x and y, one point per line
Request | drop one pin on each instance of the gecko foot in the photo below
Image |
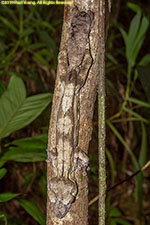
81	161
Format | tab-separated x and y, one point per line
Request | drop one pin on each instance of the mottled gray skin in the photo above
74	65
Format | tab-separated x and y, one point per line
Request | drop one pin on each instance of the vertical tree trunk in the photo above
84	56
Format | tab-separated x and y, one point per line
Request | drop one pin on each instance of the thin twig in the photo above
118	184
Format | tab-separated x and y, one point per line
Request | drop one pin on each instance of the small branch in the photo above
101	115
123	181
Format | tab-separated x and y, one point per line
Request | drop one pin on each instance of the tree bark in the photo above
78	213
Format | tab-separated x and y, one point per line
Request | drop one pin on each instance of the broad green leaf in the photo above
23	155
35	142
4	197
133	30
16	110
3	171
33	210
31	149
10	102
134	7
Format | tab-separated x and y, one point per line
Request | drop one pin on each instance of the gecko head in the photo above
62	193
60	209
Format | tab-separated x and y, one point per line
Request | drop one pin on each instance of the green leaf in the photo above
27	32
140	38
113	222
134	7
35	142
45	36
9	24
16	110
142	161
23	155
111	58
118	135
10	101
134	27
135	37
28	179
3	171
26	150
145	60
114	212
133	30
40	58
33	210
7	196
135	114
138	102
35	46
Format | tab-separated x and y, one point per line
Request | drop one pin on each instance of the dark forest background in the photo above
29	44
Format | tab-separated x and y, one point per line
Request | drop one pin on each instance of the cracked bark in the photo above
78	213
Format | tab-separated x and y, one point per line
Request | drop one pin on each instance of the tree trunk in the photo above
74	96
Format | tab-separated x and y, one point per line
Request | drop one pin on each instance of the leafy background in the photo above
29	43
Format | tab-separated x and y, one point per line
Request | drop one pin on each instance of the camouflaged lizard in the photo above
66	156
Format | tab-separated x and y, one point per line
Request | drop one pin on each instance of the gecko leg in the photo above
81	161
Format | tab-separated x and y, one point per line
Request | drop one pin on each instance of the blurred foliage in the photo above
131	122
28	50
29	42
